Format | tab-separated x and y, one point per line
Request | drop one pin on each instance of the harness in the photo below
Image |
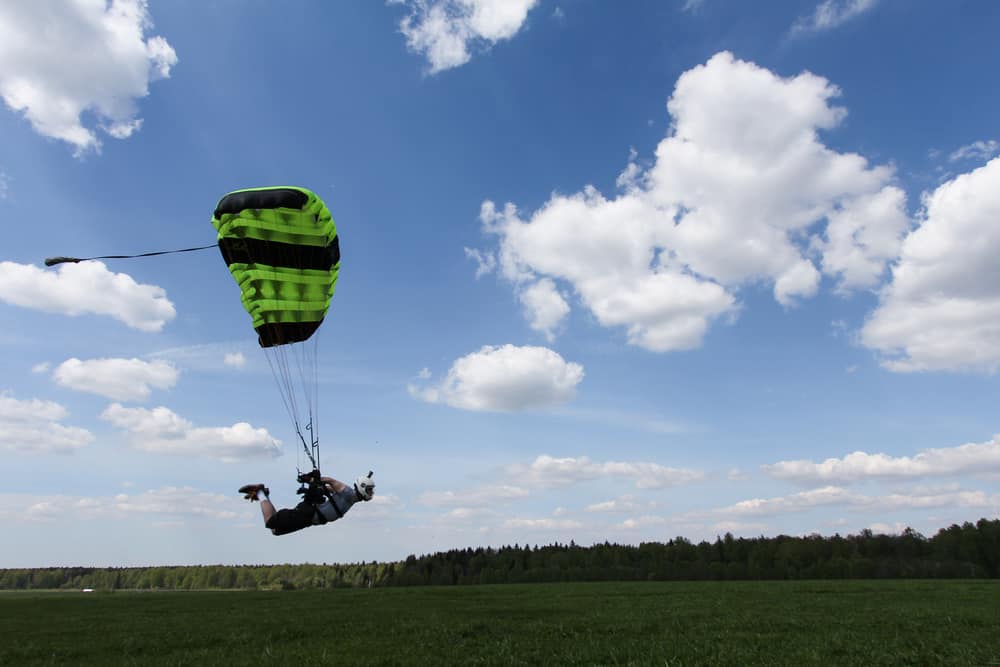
316	494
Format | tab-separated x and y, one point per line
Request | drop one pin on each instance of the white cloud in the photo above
546	470
162	431
965	459
86	288
862	237
41	367
170	500
204	356
235	359
941	310
542	524
117	379
4	184
739	527
828	495
484	495
840	497
165	501
12	409
485	262
45	510
643	521
545	306
880	528
742	192
60	59
445	30
623	504
33	426
505	378
830	14
977	150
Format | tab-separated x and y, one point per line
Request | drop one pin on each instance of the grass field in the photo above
681	623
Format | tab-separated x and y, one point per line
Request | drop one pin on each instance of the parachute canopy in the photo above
280	244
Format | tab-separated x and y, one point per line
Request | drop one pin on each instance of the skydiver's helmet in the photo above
365	487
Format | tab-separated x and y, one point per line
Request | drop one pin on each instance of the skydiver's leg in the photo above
288	520
279	522
266	507
259	493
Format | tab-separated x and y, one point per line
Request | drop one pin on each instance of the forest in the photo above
970	550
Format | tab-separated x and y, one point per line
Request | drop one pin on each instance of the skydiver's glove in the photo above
309	477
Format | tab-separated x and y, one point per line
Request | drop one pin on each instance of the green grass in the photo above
696	623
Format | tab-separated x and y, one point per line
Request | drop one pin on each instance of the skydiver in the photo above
325	499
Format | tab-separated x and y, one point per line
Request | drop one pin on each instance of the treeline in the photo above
966	551
198	577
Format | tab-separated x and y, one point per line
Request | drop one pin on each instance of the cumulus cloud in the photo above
941	310
61	59
162	431
33	426
977	150
446	31
546	471
86	288
862	237
830	14
545	306
117	379
505	378
742	192
841	497
965	459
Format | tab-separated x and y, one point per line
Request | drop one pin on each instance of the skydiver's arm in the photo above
335	484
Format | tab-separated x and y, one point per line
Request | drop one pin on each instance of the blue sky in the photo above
609	272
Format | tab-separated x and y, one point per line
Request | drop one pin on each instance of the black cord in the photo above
52	261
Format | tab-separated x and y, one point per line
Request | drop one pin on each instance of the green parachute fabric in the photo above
281	246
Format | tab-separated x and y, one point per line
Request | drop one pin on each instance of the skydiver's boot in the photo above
250	491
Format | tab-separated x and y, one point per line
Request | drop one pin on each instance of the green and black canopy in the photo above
281	247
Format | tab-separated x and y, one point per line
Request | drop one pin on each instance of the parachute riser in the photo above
312	447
